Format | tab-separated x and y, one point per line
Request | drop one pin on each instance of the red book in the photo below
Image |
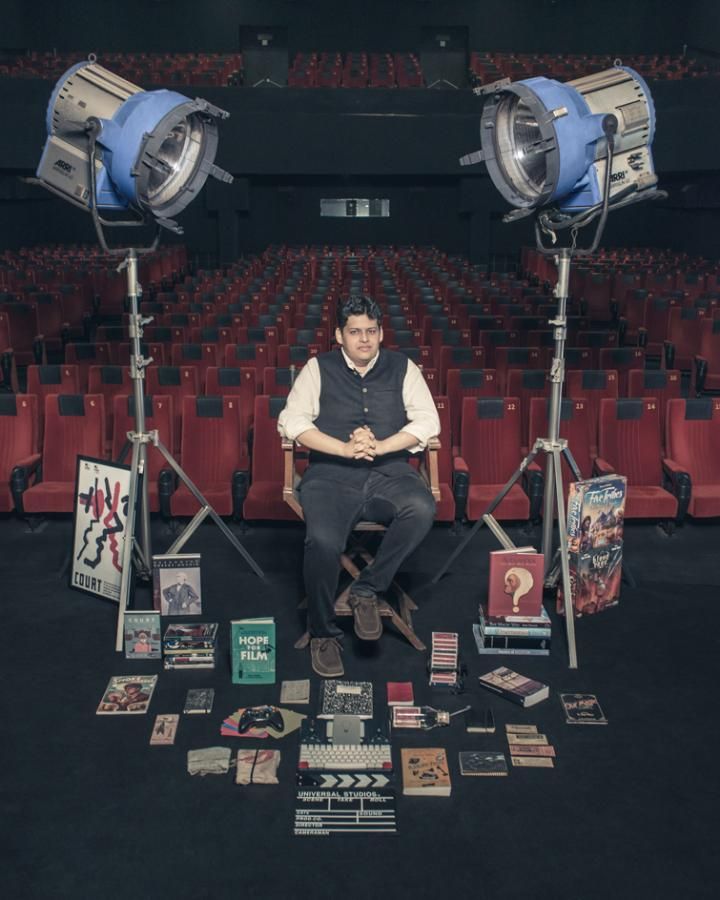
400	693
516	582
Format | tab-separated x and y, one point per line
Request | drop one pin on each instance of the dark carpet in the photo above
89	810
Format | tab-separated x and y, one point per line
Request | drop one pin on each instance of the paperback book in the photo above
515	626
176	584
346	698
500	645
425	772
127	695
199	700
164	730
142	635
253	651
480	721
400	693
514	687
582	709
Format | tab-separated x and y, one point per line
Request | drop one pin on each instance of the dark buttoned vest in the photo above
349	401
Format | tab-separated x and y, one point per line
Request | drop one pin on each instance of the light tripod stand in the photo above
137	554
555	448
549	222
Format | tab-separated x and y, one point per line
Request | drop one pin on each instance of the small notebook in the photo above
476	762
199	700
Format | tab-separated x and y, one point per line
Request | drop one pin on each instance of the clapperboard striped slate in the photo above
322	812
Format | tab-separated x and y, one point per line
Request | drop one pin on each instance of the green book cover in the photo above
252	651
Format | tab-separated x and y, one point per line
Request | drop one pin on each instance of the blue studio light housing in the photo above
544	142
154	149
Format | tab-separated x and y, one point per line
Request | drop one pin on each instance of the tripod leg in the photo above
548	509
206	510
517	474
128	546
565	563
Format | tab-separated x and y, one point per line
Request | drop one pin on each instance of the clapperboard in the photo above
323	812
342	780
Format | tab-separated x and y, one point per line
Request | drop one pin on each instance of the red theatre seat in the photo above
18	450
177	382
490	447
213	454
463	383
629	444
693	442
74	425
575	428
158	417
593	385
265	496
44	380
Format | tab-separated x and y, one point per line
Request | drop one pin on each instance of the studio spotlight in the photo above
569	154
568	145
113	147
153	150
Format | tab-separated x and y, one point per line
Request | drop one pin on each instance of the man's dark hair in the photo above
357	305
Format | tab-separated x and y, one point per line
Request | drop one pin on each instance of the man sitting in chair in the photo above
360	410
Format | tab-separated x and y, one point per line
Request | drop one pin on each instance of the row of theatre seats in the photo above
350	69
218	69
481	337
487	66
242	473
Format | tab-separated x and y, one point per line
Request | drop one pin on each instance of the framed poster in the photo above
99	523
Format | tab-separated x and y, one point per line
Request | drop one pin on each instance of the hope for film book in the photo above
253	651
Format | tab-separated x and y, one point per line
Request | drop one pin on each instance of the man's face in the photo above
360	339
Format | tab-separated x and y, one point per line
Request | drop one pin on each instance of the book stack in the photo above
518	635
190	646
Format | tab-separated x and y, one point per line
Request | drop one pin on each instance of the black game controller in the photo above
257	716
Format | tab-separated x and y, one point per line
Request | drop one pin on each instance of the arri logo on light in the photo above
63	166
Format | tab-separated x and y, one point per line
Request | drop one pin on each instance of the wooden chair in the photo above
401	617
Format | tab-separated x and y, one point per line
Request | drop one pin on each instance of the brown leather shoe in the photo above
325	657
368	624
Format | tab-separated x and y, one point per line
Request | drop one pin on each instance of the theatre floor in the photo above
89	810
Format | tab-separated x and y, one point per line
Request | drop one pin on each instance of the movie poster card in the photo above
99	522
177	589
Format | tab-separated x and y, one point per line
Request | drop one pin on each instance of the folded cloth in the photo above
209	761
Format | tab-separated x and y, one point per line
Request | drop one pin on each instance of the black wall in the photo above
603	26
287	149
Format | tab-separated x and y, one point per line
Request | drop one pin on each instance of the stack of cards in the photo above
444	658
528	748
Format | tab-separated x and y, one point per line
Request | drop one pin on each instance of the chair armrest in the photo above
680	485
603	467
642	337
290	478
20	477
669	354
460	466
29	464
9	369
429	468
38	349
701	367
460	486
